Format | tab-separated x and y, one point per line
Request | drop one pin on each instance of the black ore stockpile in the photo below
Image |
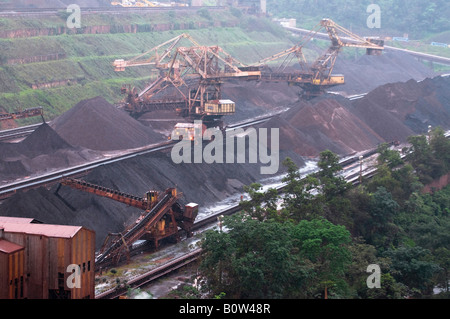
98	125
41	151
204	184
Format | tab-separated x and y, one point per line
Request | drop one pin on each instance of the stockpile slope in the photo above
42	151
98	125
369	72
312	127
204	184
398	110
392	112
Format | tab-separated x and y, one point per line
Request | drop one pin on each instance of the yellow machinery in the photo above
191	76
36	111
194	73
317	77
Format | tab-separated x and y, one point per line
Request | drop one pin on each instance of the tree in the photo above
326	246
300	200
440	146
442	258
421	157
390	289
331	183
382	209
261	205
253	259
389	157
268	259
413	267
333	186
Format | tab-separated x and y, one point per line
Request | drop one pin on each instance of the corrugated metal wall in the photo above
12	278
46	260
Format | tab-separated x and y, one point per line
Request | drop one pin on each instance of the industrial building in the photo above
42	261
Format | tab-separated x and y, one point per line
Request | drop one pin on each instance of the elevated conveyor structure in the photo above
35	111
189	81
162	219
315	78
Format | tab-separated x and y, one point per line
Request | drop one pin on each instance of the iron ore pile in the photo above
98	125
41	151
391	111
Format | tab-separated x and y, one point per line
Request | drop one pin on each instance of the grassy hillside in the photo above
83	68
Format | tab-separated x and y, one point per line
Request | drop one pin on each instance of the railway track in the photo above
19	132
10	189
154	274
147	278
52	178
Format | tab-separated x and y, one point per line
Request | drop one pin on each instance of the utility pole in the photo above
360	169
429	134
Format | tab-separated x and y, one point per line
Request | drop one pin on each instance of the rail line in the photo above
152	275
52	178
18	132
10	189
191	257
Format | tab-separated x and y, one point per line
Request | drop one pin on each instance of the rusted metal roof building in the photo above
46	261
11	270
19	220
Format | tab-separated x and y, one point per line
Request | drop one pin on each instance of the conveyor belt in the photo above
134	233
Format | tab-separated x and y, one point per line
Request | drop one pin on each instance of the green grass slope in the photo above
58	71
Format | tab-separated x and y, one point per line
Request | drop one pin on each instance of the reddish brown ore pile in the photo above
389	113
99	125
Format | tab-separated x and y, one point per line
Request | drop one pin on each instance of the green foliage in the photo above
415	17
413	265
332	184
390	289
442	258
299	201
268	259
391	221
389	157
382	209
429	155
262	205
326	246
